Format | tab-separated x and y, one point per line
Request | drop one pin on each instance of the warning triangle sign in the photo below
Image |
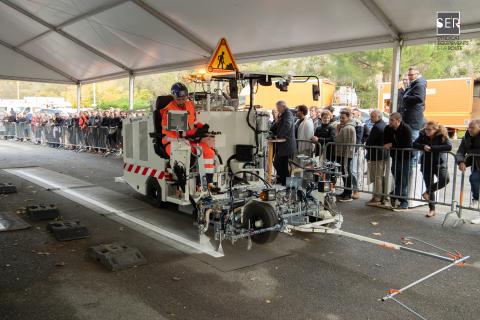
222	60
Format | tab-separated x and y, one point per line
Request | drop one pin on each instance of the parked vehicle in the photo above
452	102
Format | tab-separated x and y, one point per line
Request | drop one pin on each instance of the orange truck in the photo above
298	93
452	102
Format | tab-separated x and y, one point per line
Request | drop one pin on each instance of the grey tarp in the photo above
75	41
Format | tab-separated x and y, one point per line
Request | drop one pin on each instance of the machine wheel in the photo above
154	192
261	215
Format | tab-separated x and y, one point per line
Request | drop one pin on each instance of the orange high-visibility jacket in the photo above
189	107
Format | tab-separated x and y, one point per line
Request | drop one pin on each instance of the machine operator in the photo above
196	130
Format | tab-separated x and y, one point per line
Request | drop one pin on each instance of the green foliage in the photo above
124	105
362	70
432	62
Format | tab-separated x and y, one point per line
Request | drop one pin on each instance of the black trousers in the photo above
281	166
112	141
442	180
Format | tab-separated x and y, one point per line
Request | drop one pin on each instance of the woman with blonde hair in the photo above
433	140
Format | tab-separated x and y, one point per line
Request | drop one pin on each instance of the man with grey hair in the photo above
471	145
397	138
284	128
377	158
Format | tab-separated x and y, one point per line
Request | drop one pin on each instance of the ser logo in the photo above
448	23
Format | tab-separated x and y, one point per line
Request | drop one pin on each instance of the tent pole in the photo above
79	96
131	90
94	95
397	53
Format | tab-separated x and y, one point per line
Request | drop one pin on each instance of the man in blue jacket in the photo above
413	101
284	128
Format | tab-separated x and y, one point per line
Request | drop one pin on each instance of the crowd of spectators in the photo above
343	137
386	147
105	118
92	130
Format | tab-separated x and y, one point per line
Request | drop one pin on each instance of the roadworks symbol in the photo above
222	60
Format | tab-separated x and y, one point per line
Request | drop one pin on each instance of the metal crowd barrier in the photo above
469	184
418	182
407	182
108	139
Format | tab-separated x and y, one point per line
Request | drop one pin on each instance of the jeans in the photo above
401	175
414	159
354	164
442	180
346	170
475	184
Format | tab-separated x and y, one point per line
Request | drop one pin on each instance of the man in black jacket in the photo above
376	157
398	135
13	116
471	145
413	101
401	92
284	129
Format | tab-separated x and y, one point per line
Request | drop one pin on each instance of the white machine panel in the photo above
233	126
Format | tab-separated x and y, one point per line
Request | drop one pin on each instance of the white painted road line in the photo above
82	199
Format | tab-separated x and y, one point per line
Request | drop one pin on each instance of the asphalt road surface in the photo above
300	276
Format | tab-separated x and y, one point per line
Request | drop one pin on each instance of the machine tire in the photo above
154	192
255	211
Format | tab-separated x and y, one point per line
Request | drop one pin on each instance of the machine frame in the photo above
158	178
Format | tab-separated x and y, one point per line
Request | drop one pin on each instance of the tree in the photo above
432	62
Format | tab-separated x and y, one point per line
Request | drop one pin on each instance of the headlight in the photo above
268	195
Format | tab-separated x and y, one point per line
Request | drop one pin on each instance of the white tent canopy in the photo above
71	41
